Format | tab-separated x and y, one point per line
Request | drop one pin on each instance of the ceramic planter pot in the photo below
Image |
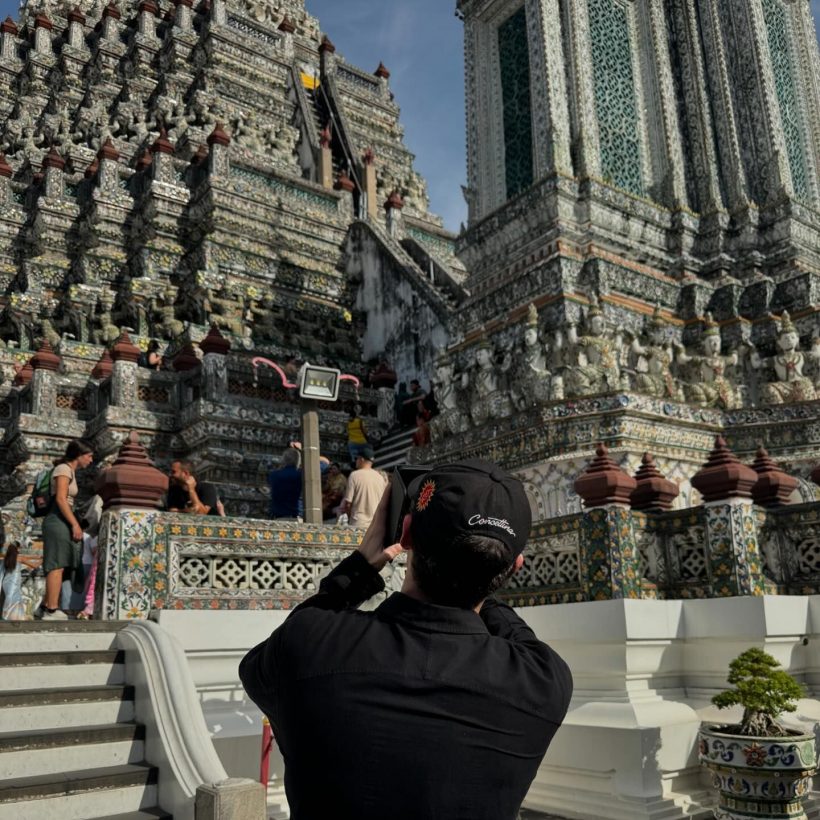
758	777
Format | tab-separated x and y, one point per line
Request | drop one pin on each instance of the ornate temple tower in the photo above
679	134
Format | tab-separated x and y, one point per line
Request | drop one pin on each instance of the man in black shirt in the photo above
440	704
186	494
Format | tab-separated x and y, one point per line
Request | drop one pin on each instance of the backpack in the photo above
39	502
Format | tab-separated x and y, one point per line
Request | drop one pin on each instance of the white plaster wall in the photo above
644	673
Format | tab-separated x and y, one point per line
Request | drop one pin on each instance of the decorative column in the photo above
133	568
215	365
325	158
735	565
186	359
773	487
8	39
370	184
287	29
45	363
148	12
125	355
6	173
42	34
393	207
610	566
76	28
110	22
218	142
53	167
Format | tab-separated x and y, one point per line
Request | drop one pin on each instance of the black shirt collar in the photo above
431	617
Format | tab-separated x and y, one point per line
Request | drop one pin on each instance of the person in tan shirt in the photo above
365	488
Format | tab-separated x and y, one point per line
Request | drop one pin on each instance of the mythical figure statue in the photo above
450	418
711	386
106	332
789	383
531	377
655	356
227	312
597	367
169	326
481	384
48	332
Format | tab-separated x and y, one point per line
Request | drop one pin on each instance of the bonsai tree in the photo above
763	689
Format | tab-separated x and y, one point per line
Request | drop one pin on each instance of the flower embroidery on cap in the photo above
426	495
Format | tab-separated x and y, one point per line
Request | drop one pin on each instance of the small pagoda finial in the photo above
219	136
382	71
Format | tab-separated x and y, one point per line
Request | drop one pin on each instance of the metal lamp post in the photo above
315	384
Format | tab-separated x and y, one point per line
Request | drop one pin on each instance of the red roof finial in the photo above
219	136
394	201
604	482
382	72
133	480
723	476
287	25
215	342
53	160
186	359
774	487
45	358
111	11
104	367
8	26
23	375
145	161
93	167
369	156
344	183
108	151
653	491
326	45
76	16
124	349
162	145
41	20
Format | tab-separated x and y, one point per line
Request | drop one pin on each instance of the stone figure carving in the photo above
710	386
169	326
481	385
226	312
655	356
450	418
106	332
48	332
531	377
596	355
789	383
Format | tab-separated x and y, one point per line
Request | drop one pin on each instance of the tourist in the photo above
401	397
412	405
62	534
421	437
285	482
440	703
11	584
356	433
333	491
364	490
187	495
151	358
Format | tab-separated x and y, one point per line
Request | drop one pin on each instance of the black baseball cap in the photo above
367	453
470	497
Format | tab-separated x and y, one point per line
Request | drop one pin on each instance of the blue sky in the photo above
420	41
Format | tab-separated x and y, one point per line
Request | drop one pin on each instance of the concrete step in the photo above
80	795
55	670
50	751
62	708
58	636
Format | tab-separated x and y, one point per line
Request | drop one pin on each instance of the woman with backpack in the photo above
62	534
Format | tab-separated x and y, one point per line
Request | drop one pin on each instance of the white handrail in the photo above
177	739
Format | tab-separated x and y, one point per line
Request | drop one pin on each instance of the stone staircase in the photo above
69	744
393	448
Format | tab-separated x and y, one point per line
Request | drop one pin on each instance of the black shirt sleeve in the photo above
207	495
349	584
553	672
177	498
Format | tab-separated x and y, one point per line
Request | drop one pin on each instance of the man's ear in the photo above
518	563
406	539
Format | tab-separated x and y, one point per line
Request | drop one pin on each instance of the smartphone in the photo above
400	482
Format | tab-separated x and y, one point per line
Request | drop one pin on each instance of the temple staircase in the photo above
393	448
69	743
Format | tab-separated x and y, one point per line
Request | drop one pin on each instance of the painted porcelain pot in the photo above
758	777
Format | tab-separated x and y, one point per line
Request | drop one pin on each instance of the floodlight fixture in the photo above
319	383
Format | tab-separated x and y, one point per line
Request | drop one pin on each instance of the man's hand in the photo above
190	483
372	546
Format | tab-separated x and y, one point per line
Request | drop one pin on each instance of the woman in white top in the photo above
62	534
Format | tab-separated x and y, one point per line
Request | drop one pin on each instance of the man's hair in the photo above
462	572
291	457
185	466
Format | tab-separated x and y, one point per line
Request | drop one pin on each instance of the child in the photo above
91	529
11	582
